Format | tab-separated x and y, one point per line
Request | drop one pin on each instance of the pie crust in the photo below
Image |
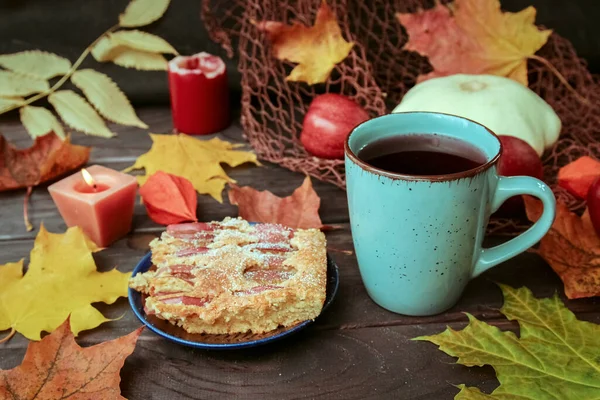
232	277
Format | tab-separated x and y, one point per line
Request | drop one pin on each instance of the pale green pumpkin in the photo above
501	104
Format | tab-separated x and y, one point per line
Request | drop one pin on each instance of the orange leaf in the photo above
572	249
316	49
300	210
48	158
169	199
578	176
474	37
58	368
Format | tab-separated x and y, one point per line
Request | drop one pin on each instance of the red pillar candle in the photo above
199	94
99	200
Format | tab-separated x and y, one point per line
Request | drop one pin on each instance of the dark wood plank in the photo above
121	152
365	363
374	363
282	182
353	308
354	350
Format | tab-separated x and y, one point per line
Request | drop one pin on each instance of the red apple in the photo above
518	158
593	204
329	120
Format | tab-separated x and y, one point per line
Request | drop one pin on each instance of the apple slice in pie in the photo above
233	277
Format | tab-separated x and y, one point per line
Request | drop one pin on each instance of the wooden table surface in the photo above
355	350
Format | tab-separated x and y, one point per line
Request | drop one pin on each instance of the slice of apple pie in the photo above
232	277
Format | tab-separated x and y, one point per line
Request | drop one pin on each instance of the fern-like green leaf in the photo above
142	41
107	49
13	84
78	114
39	121
143	12
141	60
106	97
8	102
39	64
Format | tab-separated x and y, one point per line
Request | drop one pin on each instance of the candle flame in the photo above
87	177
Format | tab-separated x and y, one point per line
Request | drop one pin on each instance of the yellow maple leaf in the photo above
475	37
199	161
61	280
508	39
316	49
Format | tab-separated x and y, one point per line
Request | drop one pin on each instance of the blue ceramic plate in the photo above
233	341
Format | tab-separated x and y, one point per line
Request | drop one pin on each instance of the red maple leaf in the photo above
300	210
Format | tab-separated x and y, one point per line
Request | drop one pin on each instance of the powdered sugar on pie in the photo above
233	277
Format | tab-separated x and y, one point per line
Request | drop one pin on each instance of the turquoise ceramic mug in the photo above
418	239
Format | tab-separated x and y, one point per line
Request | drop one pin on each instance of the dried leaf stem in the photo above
560	77
7	337
28	225
66	76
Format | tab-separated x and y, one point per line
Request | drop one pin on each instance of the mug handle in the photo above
509	187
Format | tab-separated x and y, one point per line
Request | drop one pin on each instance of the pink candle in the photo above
99	200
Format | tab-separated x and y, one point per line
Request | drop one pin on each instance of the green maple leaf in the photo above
557	357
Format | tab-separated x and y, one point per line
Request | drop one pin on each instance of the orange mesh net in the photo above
377	73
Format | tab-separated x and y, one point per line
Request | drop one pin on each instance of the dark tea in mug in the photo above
422	155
